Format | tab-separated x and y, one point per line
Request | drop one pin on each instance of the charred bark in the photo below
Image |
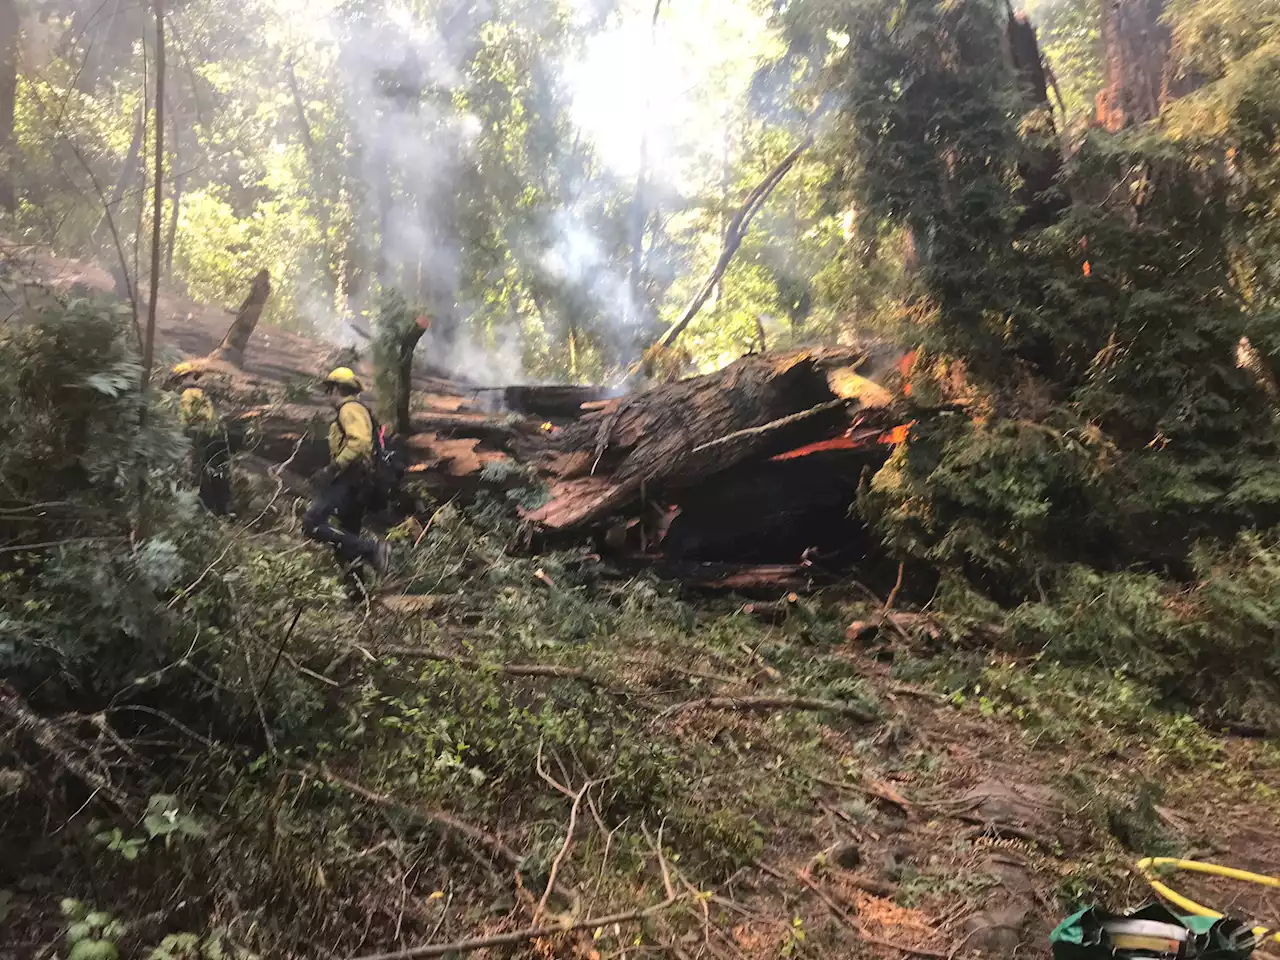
405	348
682	434
1038	195
236	341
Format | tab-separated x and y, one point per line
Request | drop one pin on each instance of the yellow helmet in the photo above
183	369
343	377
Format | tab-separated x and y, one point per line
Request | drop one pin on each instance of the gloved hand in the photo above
325	476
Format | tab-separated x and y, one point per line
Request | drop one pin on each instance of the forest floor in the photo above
493	721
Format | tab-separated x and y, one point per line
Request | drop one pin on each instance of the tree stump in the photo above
231	349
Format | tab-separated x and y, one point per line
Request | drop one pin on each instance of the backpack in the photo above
387	465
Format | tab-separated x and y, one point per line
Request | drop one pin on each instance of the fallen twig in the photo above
881	791
521	936
564	848
843	707
473	833
48	736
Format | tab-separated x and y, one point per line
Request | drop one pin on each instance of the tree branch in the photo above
733	237
521	936
776	703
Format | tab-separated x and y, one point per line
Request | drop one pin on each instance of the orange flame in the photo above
548	427
897	435
842	442
1087	270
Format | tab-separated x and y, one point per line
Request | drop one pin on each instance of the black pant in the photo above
344	500
212	456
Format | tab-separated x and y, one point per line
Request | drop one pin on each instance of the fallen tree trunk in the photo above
682	434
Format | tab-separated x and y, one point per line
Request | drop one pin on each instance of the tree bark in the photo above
404	372
1038	196
157	209
8	102
1137	46
231	349
681	434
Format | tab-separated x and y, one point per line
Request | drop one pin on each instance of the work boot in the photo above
381	558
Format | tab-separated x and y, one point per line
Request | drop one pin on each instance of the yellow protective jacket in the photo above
351	435
195	409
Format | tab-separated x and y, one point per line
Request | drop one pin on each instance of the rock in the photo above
998	931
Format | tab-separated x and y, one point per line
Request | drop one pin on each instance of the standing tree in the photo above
8	100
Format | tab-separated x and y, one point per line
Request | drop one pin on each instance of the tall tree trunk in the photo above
1136	49
8	102
317	196
179	181
234	344
1038	170
157	200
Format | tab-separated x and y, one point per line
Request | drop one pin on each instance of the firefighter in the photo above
210	448
343	488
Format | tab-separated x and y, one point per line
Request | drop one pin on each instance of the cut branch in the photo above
842	707
483	838
522	936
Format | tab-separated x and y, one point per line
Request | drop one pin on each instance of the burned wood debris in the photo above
743	479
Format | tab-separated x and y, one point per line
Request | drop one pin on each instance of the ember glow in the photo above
842	442
846	441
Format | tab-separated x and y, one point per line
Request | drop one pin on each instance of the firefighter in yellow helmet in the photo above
342	489
211	450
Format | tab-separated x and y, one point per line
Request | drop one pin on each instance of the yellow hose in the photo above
1148	866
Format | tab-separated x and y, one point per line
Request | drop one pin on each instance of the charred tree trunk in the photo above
1137	46
8	102
234	344
404	373
1038	195
681	434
